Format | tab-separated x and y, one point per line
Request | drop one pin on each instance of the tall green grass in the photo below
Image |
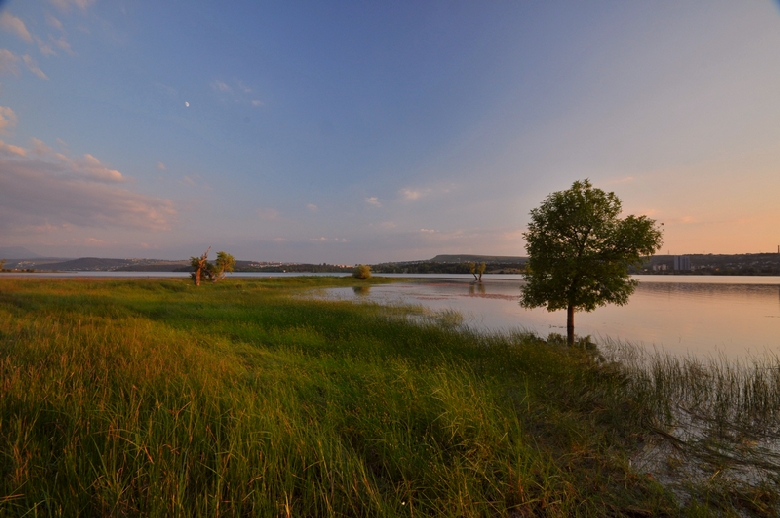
150	397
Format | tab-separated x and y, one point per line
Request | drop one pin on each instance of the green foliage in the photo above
362	271
225	264
580	250
477	270
215	271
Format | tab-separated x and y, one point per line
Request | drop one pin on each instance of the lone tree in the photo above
580	250
225	264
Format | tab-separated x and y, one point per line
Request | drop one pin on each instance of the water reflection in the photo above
361	291
477	288
677	315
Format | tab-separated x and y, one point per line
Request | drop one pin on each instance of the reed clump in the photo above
154	398
716	423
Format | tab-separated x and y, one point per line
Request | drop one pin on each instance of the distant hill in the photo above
16	252
98	264
465	258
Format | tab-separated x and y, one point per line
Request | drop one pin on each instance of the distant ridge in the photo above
465	258
16	252
107	265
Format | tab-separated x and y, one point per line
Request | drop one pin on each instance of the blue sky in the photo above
369	131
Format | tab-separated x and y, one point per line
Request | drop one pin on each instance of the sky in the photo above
361	132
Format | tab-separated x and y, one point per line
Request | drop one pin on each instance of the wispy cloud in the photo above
9	149
325	239
86	167
374	201
32	66
15	25
268	213
7	120
62	43
195	181
8	62
221	86
312	207
43	192
236	91
40	148
45	48
65	5
622	180
161	166
427	231
410	194
95	169
54	22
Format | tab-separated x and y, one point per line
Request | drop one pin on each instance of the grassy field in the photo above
243	398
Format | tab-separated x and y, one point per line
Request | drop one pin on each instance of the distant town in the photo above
19	259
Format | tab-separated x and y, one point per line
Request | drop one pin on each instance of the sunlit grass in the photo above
156	398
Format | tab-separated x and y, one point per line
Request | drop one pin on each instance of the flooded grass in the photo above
154	398
715	421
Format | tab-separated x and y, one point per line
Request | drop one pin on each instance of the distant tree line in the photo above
714	264
297	268
447	268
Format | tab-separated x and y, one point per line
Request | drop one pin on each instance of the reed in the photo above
716	422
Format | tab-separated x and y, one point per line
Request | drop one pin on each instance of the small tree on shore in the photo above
225	264
579	251
361	271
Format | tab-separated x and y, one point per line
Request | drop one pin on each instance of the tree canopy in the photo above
477	270
580	249
361	271
225	264
202	268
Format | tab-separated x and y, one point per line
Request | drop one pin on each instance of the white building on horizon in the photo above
682	262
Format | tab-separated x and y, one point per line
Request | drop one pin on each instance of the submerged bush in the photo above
361	271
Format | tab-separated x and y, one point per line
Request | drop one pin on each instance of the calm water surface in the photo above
734	316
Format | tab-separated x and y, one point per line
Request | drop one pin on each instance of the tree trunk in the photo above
201	264
570	325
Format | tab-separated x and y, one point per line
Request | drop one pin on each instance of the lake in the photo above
702	316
